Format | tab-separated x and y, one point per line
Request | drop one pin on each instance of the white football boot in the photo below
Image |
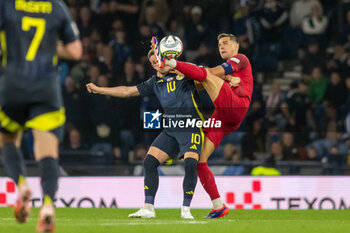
186	212
145	212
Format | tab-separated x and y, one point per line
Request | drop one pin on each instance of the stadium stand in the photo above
300	54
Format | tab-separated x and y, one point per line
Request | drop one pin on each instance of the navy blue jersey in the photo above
177	95
29	34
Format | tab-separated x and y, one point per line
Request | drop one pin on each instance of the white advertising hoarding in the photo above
237	192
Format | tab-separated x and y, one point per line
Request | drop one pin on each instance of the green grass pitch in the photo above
168	221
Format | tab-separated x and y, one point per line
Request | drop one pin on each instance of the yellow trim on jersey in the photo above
47	121
55	60
196	107
9	124
3	48
202	134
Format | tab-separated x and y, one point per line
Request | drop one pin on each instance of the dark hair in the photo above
231	36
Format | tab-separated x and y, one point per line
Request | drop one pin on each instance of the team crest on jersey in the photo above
170	79
179	77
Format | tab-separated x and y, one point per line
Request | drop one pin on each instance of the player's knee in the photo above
150	162
190	165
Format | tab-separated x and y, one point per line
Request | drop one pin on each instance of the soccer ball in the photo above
171	47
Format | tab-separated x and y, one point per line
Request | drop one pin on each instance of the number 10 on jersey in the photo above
170	86
196	138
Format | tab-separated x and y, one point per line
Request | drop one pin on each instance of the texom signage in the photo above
237	192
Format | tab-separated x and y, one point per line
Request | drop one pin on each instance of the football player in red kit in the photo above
230	87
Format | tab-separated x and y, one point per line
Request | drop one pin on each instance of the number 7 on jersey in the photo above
39	24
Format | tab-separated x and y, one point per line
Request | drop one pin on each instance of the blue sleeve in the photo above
227	67
146	88
69	31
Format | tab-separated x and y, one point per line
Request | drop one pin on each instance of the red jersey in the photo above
242	69
232	103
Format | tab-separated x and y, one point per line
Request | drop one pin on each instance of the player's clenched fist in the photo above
92	88
234	81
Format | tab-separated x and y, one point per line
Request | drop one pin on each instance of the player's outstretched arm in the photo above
120	91
70	51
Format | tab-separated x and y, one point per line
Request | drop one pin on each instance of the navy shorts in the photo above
42	116
173	142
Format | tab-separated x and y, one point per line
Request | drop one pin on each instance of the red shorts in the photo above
230	109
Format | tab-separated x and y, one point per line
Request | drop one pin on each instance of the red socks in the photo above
191	71
208	181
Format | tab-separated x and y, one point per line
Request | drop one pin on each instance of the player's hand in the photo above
92	88
199	85
234	81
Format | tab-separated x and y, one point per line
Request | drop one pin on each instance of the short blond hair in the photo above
150	53
231	36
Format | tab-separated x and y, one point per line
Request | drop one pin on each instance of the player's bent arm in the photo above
218	71
236	63
119	91
70	51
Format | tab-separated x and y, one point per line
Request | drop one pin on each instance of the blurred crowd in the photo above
309	121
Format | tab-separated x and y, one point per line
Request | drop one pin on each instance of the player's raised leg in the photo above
46	154
189	183
15	168
154	158
212	84
207	180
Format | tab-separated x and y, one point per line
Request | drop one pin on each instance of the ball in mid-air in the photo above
171	47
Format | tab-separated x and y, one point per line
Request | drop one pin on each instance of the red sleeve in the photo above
239	62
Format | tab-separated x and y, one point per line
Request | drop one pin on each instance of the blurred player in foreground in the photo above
230	87
30	95
176	94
